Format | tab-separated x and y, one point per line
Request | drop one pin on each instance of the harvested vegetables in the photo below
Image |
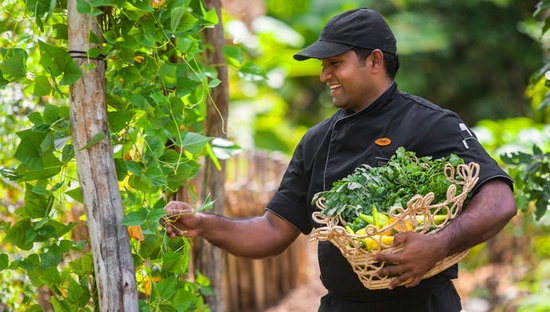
367	195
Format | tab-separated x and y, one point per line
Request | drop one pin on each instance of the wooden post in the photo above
208	259
113	263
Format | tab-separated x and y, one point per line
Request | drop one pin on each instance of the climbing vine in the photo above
157	84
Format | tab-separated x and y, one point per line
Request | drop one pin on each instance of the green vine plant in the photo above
157	85
531	169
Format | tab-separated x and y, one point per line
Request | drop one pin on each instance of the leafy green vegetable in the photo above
394	184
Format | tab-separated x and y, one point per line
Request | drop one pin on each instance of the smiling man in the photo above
359	62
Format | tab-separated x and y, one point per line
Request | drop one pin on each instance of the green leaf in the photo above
75	194
251	72
21	234
85	7
168	74
4	261
135	218
78	294
36	118
214	83
57	61
155	214
129	75
37	205
210	16
186	170
59	306
3	82
181	22
184	299
183	44
175	262
61	31
50	276
14	65
154	146
68	153
71	73
119	120
51	114
186	85
155	175
121	169
83	266
52	229
176	16
134	12
35	151
24	174
194	142
233	55
95	140
166	288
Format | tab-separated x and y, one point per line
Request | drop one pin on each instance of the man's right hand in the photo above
253	237
181	220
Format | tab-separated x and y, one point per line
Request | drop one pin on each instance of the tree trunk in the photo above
208	259
113	263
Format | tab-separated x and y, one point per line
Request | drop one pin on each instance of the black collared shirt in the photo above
332	150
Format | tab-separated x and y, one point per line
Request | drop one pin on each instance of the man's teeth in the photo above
334	86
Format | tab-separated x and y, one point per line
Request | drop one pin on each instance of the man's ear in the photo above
377	59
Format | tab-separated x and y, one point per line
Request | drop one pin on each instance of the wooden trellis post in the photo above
113	264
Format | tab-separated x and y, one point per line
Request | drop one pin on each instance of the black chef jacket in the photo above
332	150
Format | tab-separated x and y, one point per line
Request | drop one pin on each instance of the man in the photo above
359	61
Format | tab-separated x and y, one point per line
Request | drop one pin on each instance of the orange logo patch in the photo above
383	142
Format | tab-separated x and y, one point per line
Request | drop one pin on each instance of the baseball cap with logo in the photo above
362	28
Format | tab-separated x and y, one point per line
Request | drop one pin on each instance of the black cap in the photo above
362	28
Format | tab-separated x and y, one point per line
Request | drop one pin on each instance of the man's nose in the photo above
325	74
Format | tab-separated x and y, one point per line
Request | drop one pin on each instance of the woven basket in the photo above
418	217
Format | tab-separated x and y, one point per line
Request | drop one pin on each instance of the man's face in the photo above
349	81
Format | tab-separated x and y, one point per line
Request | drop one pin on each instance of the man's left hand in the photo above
420	253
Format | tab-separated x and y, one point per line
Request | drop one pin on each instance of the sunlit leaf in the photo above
75	194
224	149
210	16
42	86
134	12
194	142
